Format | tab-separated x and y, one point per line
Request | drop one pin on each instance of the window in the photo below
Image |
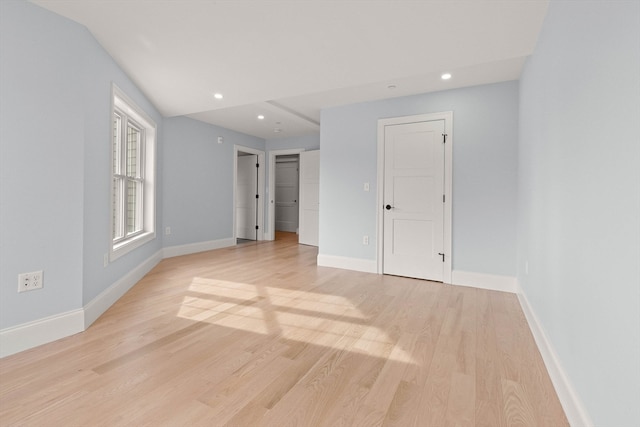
132	176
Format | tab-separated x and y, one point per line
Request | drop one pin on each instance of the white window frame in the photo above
123	106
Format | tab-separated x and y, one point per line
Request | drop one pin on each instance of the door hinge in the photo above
256	227
257	165
443	199
257	196
444	138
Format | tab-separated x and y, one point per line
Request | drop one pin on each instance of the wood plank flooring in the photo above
258	335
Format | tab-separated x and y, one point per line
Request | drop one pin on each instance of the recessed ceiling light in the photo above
217	96
277	130
445	76
260	117
391	87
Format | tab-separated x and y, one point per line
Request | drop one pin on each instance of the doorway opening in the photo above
248	189
284	194
287	194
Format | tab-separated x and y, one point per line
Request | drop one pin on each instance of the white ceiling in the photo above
288	59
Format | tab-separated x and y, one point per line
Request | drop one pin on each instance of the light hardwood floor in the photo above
258	335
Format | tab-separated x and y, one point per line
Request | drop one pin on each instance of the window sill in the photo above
127	246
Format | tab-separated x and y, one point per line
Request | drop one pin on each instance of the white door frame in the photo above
241	149
271	235
447	116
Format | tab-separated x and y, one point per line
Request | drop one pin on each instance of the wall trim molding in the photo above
41	331
491	282
574	409
192	248
101	303
346	263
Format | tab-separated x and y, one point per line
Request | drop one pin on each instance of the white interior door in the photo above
286	188
246	202
413	198
309	197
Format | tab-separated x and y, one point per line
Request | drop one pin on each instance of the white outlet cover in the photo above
30	281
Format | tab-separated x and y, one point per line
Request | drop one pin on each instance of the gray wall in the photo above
485	120
579	199
198	180
55	85
307	142
99	71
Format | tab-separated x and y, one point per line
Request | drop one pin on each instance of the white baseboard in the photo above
484	281
357	264
32	334
42	331
193	248
571	403
94	308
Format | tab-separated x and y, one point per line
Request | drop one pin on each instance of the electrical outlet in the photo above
365	240
366	186
167	230
30	281
105	260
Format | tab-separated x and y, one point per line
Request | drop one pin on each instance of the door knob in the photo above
388	207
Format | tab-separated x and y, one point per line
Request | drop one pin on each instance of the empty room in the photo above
320	213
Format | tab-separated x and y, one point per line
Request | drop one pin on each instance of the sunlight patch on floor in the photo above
301	316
